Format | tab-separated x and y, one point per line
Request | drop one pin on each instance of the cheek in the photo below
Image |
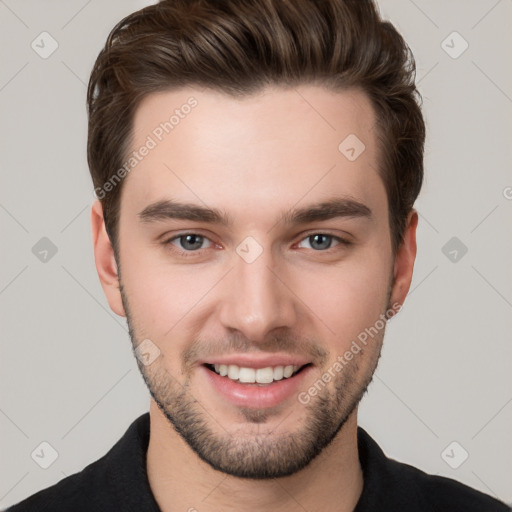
171	302
348	297
162	297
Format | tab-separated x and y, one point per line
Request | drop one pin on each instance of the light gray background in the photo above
67	373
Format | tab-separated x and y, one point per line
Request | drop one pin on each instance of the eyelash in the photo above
189	254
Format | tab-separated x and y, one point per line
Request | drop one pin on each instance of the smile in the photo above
247	375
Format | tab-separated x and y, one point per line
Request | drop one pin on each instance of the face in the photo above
254	251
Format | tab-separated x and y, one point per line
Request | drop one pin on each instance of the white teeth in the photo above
264	375
251	375
233	371
288	370
247	375
278	372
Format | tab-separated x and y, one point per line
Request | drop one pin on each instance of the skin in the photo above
255	158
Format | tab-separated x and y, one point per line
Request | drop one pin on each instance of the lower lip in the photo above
254	395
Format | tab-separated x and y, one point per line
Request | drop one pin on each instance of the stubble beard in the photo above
258	452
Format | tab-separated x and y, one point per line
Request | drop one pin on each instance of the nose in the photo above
256	299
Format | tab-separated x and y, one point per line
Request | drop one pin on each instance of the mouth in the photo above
256	381
256	376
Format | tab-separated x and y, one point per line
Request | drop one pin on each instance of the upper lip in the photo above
254	361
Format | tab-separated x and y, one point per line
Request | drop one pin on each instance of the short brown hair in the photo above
239	47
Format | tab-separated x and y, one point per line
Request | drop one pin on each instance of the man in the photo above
256	164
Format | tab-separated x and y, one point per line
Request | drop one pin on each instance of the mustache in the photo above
289	343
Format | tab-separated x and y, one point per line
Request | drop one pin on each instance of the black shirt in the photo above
119	482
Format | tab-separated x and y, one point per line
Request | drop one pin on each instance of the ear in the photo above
404	261
106	265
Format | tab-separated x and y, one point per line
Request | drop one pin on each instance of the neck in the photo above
180	480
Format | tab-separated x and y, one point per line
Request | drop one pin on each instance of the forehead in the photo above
268	149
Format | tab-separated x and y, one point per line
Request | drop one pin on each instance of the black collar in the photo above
388	485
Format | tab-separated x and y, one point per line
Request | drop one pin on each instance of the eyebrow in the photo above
329	209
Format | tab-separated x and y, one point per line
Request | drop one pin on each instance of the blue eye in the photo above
189	242
323	241
193	244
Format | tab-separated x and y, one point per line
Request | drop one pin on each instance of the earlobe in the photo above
106	265
404	261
